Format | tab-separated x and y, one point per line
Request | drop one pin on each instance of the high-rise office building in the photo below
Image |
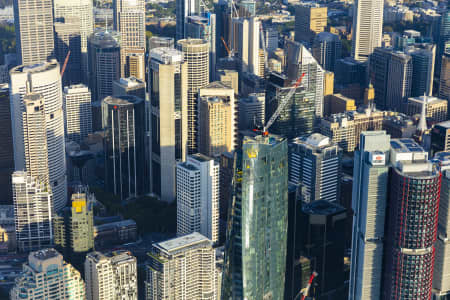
252	111
74	228
412	216
436	109
297	117
185	8
124	127
198	197
367	27
196	57
300	61
441	276
370	179
314	164
326	49
182	268
130	86
44	79
271	38
6	150
32	212
423	58
391	75
321	239
103	62
443	38
33	20
246	44
46	275
68	38
111	275
204	27
310	19
225	94
168	90
440	137
78	112
444	80
255	257
215	134
35	137
84	10
129	21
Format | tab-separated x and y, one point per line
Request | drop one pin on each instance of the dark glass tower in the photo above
257	234
123	120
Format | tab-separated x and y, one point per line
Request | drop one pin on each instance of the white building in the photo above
77	112
182	268
47	276
33	20
32	211
84	10
43	78
111	276
198	197
246	43
367	27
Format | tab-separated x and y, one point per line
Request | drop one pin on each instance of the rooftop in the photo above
122	100
105	38
166	55
36	68
322	207
130	82
182	242
45	254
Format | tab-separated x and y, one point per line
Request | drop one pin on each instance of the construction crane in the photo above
63	69
281	106
308	286
230	52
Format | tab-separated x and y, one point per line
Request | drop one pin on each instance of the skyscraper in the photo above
215	133
196	57
129	21
301	61
32	212
314	164
181	268
78	112
33	20
391	75
111	275
297	117
310	19
103	61
370	179
74	228
444	37
440	137
185	8
84	10
46	274
252	111
198	197
6	150
256	241
367	27
44	79
411	231
326	49
204	27
129	86
124	127
441	282
68	38
225	93
168	90
444	80
246	43
423	58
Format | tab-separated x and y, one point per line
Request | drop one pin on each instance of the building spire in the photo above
422	126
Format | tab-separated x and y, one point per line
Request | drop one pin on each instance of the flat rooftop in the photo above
182	242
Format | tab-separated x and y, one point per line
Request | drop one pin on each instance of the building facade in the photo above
46	275
326	49
198	197
6	150
124	127
168	90
310	19
44	79
78	112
